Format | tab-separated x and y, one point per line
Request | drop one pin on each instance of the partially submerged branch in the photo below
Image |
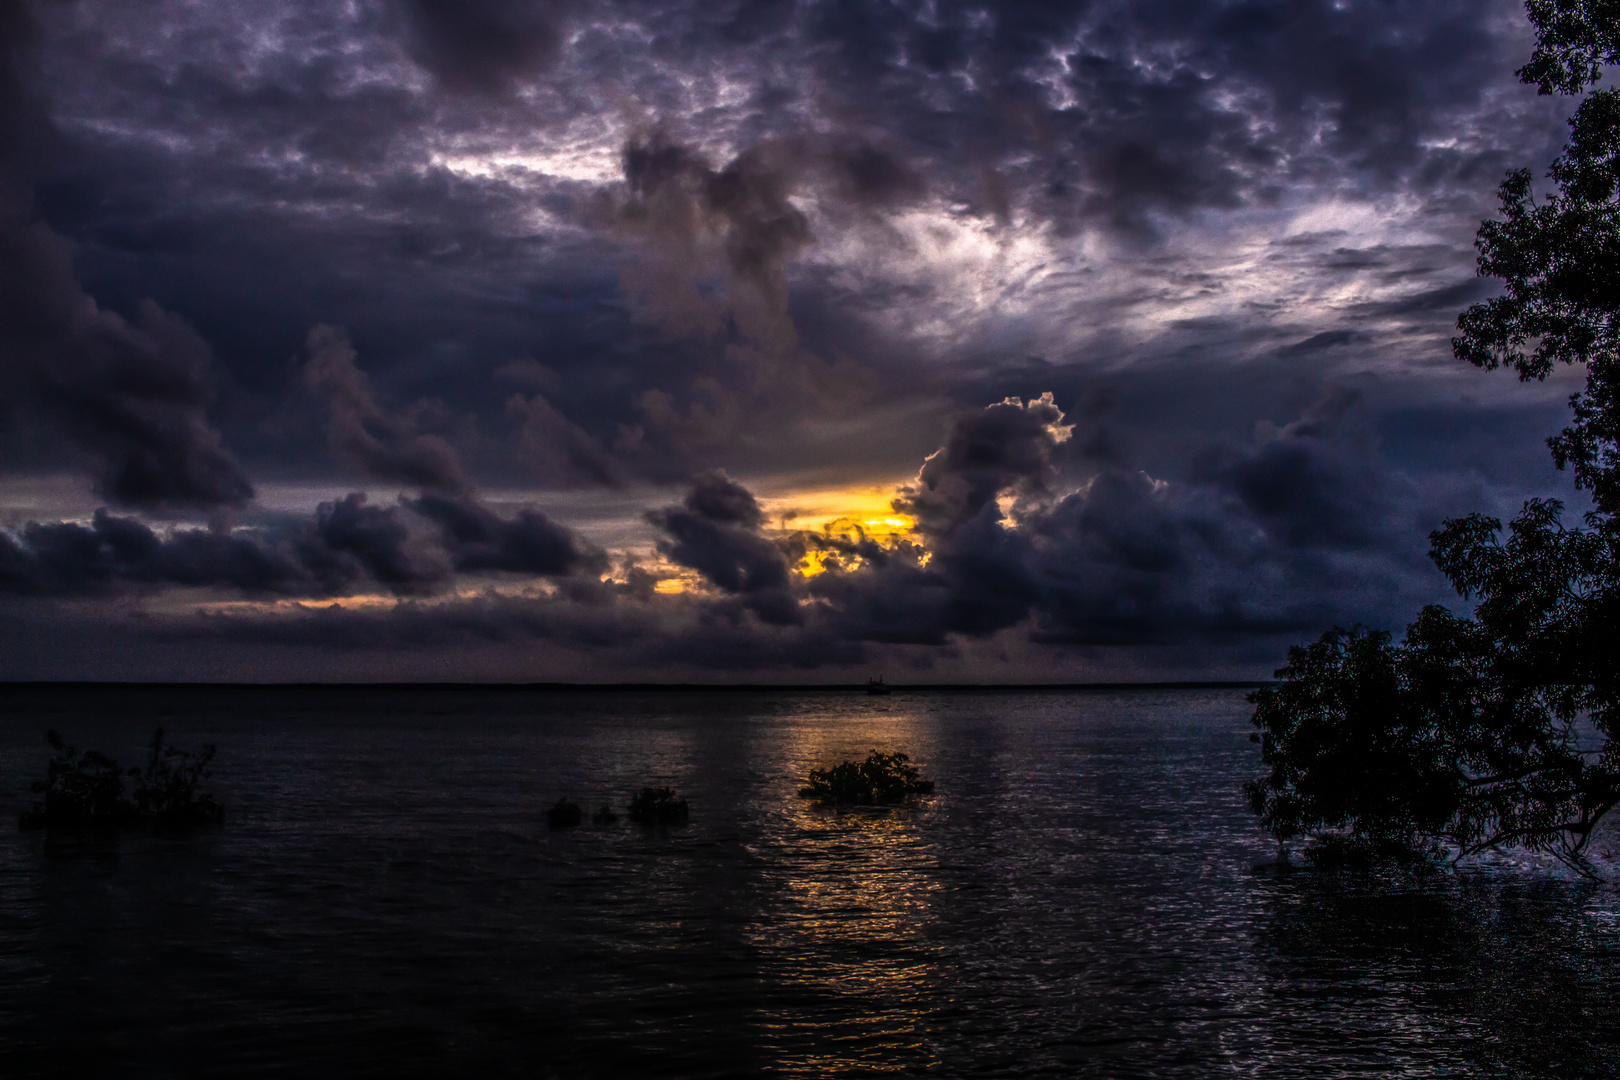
1379	751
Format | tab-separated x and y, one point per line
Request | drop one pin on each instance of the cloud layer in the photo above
1139	309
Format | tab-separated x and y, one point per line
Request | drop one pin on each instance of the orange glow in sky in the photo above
840	511
868	507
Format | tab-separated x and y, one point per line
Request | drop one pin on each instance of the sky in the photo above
745	341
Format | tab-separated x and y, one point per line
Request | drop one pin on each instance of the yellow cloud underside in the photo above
813	510
839	511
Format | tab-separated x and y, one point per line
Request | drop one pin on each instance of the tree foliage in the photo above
1497	729
881	780
86	790
563	813
658	806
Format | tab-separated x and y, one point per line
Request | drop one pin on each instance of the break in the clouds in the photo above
521	339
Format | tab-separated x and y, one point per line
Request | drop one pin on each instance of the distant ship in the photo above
875	686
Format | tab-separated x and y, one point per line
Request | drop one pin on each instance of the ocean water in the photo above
1080	898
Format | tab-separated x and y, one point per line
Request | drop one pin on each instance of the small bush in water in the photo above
604	816
881	780
659	805
563	814
86	790
166	790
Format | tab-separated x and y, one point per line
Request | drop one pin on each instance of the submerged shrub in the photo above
604	815
657	805
86	790
79	790
563	814
166	790
881	780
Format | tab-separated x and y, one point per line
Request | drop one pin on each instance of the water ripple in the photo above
1078	900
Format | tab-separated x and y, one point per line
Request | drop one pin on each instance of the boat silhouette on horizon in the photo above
876	686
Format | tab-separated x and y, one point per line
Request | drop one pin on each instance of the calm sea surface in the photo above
1080	899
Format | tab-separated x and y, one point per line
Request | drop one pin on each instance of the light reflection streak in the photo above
857	892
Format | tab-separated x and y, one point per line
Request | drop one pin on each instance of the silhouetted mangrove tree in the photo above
86	790
563	813
1497	729
658	806
881	780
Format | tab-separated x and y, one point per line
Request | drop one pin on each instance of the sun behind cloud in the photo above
843	512
870	508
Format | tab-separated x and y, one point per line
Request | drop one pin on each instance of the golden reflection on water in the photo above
855	902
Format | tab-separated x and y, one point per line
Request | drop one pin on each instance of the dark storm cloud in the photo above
20	122
345	544
1121	110
476	538
71	559
381	446
678	204
1272	537
1299	527
551	447
1124	560
1005	447
414	548
132	398
1275	535
1303	486
976	580
717	533
806	238
265	184
717	498
712	255
352	541
484	45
